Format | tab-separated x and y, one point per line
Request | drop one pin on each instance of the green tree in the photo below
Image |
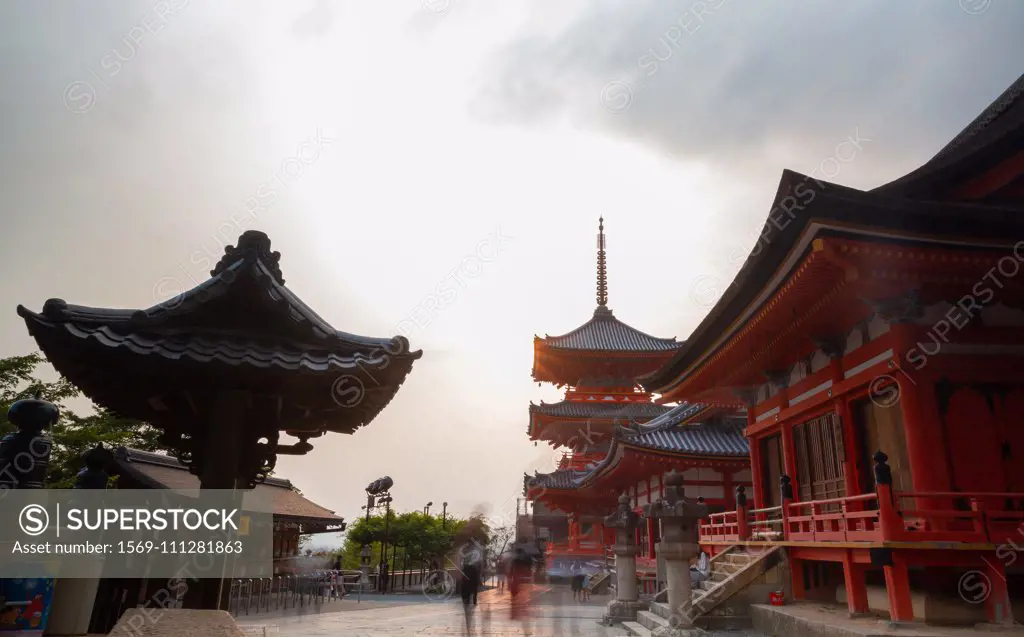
72	435
423	539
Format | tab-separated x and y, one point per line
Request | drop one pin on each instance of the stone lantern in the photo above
25	453
626	603
679	518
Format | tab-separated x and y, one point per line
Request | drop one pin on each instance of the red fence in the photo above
984	518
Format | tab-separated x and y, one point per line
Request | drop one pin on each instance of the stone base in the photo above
692	631
176	622
617	611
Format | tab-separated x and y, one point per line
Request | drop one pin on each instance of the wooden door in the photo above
818	446
771	470
881	428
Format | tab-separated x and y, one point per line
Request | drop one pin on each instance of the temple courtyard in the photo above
555	614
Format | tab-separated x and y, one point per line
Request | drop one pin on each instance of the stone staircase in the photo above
600	581
731	572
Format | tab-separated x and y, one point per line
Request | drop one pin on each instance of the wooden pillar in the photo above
897	587
220	470
856	587
650	538
789	457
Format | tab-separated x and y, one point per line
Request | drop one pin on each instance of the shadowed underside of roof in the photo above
161	471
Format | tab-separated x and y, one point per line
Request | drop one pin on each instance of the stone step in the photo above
636	629
650	621
737	558
660	609
707	585
725	623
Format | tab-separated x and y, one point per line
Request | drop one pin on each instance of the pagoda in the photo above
598	364
874	338
226	370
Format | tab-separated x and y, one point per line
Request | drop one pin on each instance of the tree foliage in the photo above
414	539
73	434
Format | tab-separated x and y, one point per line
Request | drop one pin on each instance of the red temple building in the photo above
712	455
874	338
609	449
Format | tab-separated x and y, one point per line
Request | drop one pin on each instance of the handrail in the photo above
955	494
723	514
853	498
767	510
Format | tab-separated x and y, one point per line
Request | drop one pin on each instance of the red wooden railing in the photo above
984	518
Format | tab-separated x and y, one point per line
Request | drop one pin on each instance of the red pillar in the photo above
755	463
997	604
730	497
856	587
922	423
796	575
897	586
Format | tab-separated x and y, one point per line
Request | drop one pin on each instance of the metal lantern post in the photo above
377	493
444	512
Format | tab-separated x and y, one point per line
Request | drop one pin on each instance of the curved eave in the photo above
206	348
103	362
244	278
824	208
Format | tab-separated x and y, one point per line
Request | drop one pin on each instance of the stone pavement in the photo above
552	614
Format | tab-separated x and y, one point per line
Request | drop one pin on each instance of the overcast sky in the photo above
133	135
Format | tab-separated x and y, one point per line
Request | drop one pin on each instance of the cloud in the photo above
737	84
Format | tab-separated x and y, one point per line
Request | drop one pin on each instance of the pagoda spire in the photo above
602	267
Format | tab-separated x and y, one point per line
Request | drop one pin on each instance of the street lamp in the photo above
444	510
377	493
426	509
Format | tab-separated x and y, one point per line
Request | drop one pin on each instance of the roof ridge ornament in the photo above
602	267
253	246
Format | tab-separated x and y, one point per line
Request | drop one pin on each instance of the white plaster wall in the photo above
819	361
743	476
877	326
798	373
853	340
704	492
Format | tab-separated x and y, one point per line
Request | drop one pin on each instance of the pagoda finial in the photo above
602	267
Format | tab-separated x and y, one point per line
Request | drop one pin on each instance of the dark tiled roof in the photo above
838	206
558	479
166	472
1001	105
205	349
672	417
992	136
722	439
606	333
243	324
630	412
725	439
